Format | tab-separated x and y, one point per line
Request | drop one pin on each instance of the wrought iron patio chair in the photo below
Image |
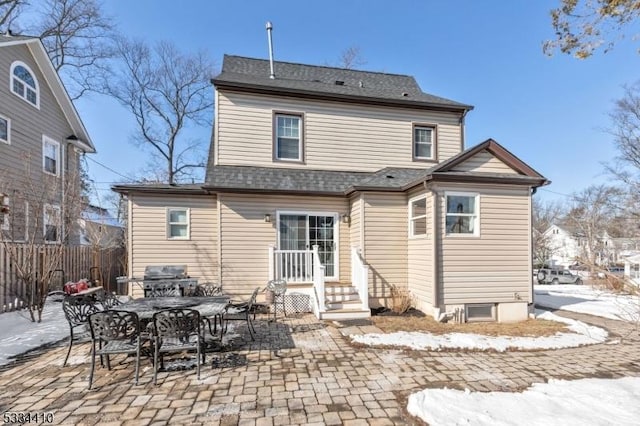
207	290
77	310
164	289
241	311
278	288
114	332
108	300
176	330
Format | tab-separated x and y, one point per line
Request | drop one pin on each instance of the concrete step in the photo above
344	304
345	314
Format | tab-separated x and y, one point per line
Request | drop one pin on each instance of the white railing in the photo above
360	276
293	266
318	281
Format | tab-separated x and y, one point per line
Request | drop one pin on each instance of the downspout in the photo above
434	251
532	292
462	129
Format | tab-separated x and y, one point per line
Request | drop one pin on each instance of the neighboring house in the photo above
41	139
99	229
632	268
568	246
345	183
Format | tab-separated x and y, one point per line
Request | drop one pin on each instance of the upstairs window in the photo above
50	156
178	224
51	221
462	214
5	130
288	137
424	143
24	83
418	217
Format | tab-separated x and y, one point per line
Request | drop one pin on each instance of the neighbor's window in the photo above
418	216
288	143
480	312
24	83
462	214
178	224
423	142
50	156
5	129
51	221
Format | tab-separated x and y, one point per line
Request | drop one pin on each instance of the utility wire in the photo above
111	170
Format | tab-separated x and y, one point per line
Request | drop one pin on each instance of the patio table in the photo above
146	307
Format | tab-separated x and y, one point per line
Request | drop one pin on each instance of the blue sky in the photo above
551	112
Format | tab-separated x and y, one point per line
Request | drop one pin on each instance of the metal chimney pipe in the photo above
269	29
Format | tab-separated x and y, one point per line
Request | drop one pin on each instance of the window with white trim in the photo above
480	312
24	83
462	214
288	137
423	142
418	216
50	156
177	223
5	130
52	223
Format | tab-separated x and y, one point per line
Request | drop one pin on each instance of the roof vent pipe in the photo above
269	29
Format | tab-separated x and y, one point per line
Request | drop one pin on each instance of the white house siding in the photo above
385	241
148	232
23	156
496	266
420	259
484	162
337	136
246	237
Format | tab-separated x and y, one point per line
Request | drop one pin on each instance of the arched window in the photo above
24	83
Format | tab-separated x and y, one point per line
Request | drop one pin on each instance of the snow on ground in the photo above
582	334
588	300
579	402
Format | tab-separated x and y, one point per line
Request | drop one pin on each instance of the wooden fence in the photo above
101	266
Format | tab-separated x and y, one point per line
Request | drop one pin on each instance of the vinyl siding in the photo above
355	226
497	264
246	237
484	162
420	258
385	241
149	244
21	161
337	136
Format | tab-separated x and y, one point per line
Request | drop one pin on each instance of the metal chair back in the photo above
77	310
164	289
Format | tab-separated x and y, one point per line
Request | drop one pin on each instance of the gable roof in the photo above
83	140
314	81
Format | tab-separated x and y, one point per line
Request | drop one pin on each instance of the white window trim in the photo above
480	319
433	141
8	140
300	137
476	224
35	80
168	229
45	140
413	218
44	223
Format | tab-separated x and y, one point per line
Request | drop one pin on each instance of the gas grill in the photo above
177	274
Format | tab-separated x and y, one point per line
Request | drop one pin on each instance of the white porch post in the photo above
318	280
272	249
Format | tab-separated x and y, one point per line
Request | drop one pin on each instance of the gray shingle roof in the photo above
321	81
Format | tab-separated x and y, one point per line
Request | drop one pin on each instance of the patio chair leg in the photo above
93	363
137	362
68	350
250	326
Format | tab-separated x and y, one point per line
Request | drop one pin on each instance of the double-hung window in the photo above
424	142
24	83
418	216
52	223
50	156
177	223
462	214
5	130
288	137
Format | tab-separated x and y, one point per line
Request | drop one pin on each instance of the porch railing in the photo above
294	266
360	276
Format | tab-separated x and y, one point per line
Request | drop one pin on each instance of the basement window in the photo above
480	312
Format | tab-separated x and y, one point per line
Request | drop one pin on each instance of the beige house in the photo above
41	139
345	183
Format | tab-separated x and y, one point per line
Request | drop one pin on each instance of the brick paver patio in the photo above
298	371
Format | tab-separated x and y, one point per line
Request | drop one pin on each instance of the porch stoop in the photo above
343	302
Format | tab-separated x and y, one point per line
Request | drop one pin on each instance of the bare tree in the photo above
583	26
545	214
592	210
166	91
351	58
77	35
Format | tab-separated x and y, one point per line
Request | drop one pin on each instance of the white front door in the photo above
302	231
